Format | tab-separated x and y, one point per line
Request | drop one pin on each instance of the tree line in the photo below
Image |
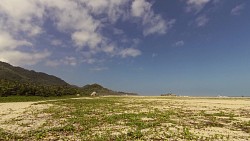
10	88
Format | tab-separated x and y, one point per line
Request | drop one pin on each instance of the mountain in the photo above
102	91
95	88
12	73
20	81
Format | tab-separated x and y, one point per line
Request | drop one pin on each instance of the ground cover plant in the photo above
33	98
131	118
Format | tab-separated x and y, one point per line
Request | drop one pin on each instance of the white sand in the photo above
13	110
13	115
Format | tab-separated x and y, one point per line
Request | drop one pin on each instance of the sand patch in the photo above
21	117
83	98
222	133
114	130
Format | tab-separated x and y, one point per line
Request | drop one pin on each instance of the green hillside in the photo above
102	91
22	82
95	88
11	73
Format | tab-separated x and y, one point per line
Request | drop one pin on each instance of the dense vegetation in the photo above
97	88
16	81
11	73
22	82
16	88
10	88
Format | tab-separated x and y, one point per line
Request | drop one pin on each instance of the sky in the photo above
151	47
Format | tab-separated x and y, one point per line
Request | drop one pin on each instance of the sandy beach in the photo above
210	118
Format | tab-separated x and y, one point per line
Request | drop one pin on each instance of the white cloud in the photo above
56	42
21	16
201	20
237	9
157	25
140	7
196	5
130	52
7	42
110	49
85	21
96	69
153	23
78	20
9	51
179	43
83	38
114	9
89	60
70	61
16	57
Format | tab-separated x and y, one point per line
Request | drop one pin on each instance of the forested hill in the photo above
12	73
102	90
19	81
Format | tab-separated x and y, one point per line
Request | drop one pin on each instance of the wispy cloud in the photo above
15	22
68	60
97	69
153	23
52	63
179	43
201	20
118	31
237	9
130	52
84	21
195	5
56	42
10	52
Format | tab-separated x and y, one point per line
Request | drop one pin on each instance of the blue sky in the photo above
188	47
